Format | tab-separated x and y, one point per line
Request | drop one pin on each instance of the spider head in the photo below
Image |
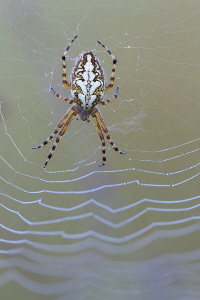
83	114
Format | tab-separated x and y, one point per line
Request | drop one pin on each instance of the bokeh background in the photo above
129	230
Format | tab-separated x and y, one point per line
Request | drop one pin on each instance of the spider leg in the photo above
64	75
61	97
112	77
60	125
60	134
103	126
111	98
100	133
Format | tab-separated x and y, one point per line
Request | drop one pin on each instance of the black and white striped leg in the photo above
111	98
105	130
59	136
64	75
112	77
61	97
103	144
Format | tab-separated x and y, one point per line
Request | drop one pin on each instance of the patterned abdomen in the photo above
88	85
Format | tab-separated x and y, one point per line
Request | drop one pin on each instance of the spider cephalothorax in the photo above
87	89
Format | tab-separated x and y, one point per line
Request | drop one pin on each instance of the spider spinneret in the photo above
87	88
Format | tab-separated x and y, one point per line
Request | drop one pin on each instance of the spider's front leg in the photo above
100	133
60	125
63	125
100	125
58	138
105	130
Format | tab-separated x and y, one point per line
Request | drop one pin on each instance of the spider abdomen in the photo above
88	84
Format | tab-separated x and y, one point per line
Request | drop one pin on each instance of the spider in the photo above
87	89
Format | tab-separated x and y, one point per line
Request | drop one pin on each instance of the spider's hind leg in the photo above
112	77
64	75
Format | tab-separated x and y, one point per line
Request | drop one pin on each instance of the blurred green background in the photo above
129	230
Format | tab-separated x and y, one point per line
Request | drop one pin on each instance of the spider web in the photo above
129	230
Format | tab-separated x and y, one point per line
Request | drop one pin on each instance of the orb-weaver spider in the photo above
87	88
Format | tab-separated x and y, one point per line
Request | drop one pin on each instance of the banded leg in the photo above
59	136
64	75
112	77
103	126
60	125
111	98
100	133
61	97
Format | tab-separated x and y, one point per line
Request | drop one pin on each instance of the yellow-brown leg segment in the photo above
112	77
100	133
64	75
111	98
59	136
105	130
60	125
61	97
67	118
